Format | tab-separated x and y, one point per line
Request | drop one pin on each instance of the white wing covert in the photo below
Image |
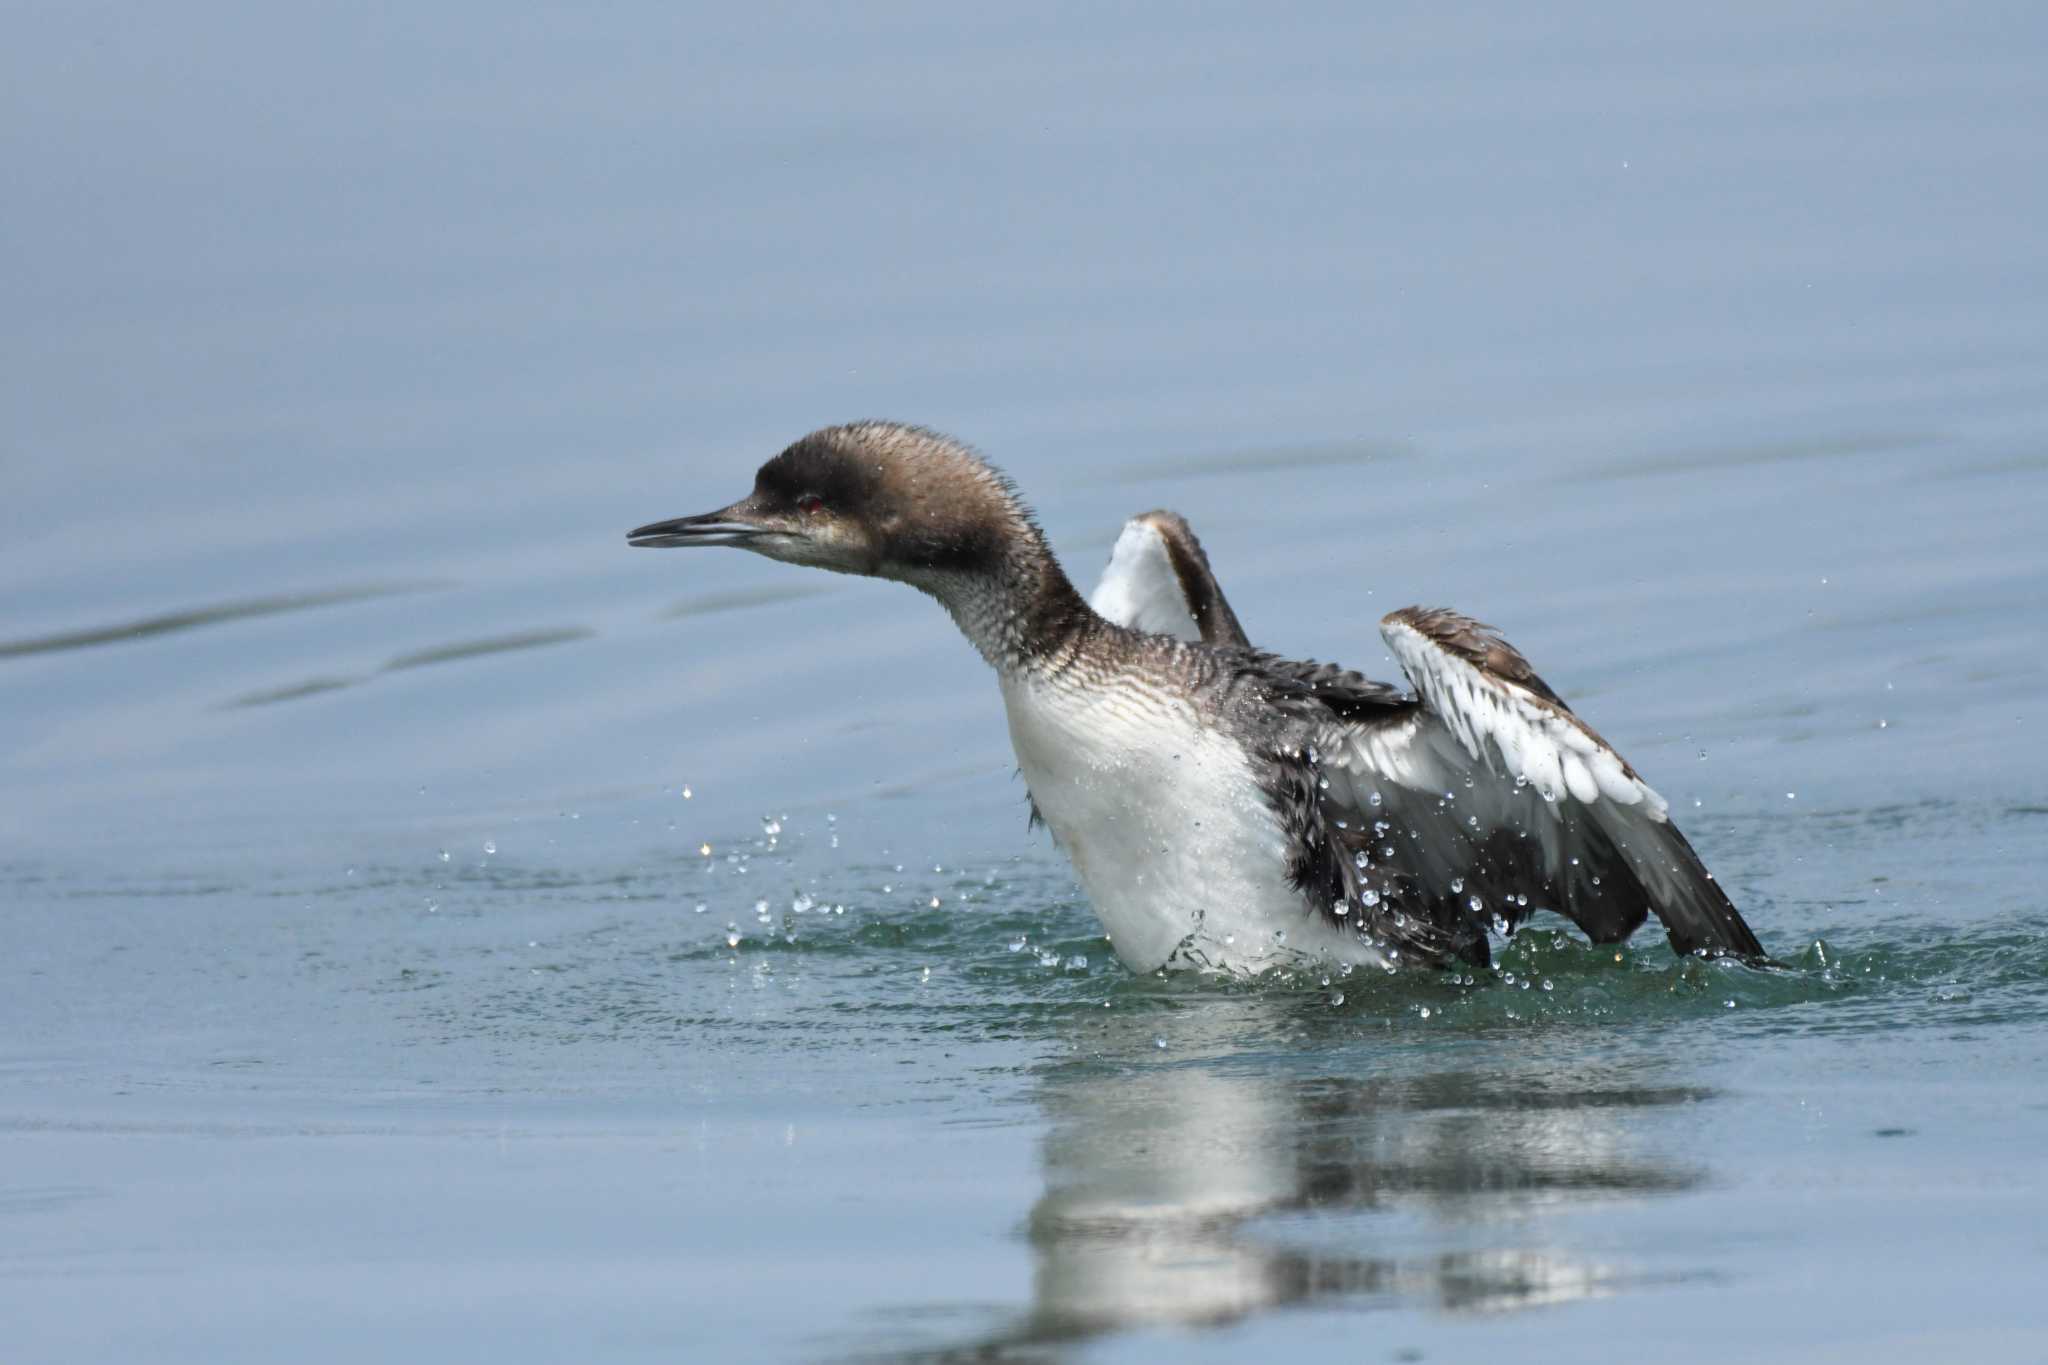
1158	581
1489	791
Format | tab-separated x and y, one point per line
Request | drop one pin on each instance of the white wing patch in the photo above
1436	806
1140	590
1512	730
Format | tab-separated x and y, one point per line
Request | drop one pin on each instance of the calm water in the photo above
437	931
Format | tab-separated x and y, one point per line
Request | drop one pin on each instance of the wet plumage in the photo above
1227	808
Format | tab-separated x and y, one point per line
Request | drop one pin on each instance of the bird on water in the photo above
1228	809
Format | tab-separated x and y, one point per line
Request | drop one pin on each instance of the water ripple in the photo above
213	614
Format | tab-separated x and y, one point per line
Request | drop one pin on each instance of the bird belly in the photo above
1172	838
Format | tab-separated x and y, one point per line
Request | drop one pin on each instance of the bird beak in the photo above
733	525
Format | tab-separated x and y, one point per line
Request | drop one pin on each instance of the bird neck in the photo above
1019	610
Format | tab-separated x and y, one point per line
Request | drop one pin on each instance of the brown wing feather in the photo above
1198	586
1628	853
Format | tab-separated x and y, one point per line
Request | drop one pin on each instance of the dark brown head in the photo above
874	498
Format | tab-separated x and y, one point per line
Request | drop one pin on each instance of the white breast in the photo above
1175	844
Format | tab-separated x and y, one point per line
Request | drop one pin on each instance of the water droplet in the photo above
1360	860
1341	909
1375	798
732	937
1077	963
1336	998
1279	936
1882	723
1425	1011
704	850
1500	925
1017	944
1548	985
1457	885
1472	820
1791	796
702	907
444	855
1370	897
1159	1043
490	846
1476	904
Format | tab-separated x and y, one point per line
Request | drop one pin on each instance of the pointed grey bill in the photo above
722	527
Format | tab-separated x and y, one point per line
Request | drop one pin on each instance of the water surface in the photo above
437	929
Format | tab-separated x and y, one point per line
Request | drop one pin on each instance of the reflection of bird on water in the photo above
1201	1192
1227	809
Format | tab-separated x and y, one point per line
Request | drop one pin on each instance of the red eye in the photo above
810	503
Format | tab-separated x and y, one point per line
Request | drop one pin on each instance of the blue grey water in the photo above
434	930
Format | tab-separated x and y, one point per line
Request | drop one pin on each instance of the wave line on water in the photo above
218	613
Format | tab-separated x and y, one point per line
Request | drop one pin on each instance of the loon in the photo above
1227	809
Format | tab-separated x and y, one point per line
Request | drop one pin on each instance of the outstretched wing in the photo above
1159	581
1421	820
1487	799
